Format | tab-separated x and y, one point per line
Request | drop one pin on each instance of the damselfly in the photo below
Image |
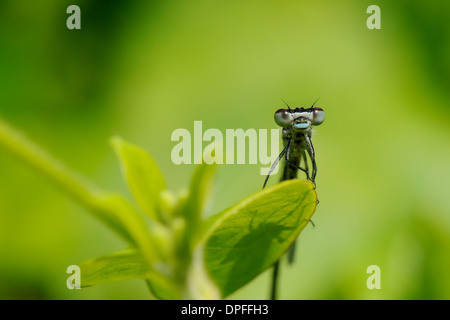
296	133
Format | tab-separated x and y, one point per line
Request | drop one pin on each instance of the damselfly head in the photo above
300	118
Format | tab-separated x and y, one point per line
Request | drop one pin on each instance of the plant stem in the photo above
19	146
273	295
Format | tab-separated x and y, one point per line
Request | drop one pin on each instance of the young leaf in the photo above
250	236
119	266
125	265
116	209
200	190
202	184
143	176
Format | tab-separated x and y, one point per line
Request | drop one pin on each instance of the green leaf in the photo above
119	266
123	216
251	236
201	188
143	176
125	265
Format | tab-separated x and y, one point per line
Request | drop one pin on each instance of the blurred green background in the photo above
141	69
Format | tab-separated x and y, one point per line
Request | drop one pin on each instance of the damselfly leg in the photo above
274	166
294	167
312	155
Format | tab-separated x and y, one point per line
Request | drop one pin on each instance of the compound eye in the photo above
283	118
318	116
